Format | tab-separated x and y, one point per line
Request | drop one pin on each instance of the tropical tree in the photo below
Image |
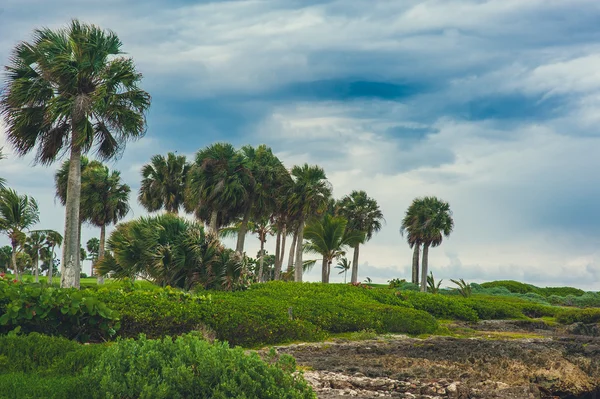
411	227
329	237
344	265
70	90
163	183
364	215
105	201
34	244
17	213
93	248
53	239
171	251
219	184
5	257
2	180
309	196
427	221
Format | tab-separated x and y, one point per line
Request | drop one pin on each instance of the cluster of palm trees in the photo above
249	190
71	91
426	222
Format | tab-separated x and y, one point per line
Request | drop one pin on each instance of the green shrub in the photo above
189	367
570	316
66	312
444	307
156	313
512	286
561	291
33	386
494	310
409	321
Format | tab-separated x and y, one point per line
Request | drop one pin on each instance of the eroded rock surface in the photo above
456	368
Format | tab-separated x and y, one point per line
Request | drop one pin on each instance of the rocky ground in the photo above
497	360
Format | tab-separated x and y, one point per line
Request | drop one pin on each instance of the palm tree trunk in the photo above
324	270
290	264
37	269
71	254
328	270
415	264
239	248
345	274
277	266
261	261
100	253
299	251
282	250
213	223
51	267
354	278
425	265
13	259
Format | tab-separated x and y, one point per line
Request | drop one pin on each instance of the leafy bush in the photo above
494	310
66	312
522	288
440	306
570	316
189	367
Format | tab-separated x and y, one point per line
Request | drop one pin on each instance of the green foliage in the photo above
431	286
522	288
403	285
38	366
171	251
66	312
188	367
570	316
440	306
157	312
463	289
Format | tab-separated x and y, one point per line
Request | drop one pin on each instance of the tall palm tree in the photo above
363	214
17	213
53	239
428	222
105	199
163	183
309	197
329	237
344	265
34	245
411	227
2	180
267	173
218	185
70	90
5	258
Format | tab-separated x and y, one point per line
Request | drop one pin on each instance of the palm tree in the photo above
344	265
267	174
93	248
17	213
310	193
105	200
428	221
329	237
2	181
218	185
53	240
70	90
411	228
170	251
5	257
163	183
34	244
364	215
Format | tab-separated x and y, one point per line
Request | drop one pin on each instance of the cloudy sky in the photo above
491	105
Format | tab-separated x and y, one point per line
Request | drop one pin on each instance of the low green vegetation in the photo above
37	366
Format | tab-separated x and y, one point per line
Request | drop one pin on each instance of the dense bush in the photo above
156	313
66	312
440	306
570	316
522	288
186	367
